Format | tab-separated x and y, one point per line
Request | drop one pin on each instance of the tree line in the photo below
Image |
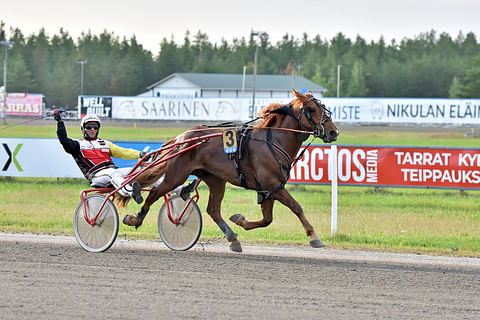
429	65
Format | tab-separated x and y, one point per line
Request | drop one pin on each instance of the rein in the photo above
250	128
318	131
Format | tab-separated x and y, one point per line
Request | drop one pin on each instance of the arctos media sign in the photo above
391	166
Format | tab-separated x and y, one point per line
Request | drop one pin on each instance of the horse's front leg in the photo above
267	211
286	199
137	220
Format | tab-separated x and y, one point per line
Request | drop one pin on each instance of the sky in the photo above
150	21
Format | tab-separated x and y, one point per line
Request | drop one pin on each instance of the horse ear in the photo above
296	93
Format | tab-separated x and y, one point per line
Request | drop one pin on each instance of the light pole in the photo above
294	67
338	80
82	62
263	37
8	45
243	80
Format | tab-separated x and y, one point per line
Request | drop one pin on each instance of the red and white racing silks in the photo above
97	151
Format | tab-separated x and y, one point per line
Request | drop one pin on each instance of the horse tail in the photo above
151	175
121	201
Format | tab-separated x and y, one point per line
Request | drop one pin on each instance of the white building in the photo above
219	85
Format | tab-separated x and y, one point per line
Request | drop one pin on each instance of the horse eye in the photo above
310	109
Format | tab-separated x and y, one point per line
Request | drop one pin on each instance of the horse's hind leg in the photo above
154	194
137	220
286	199
217	191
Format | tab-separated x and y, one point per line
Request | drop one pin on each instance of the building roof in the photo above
234	81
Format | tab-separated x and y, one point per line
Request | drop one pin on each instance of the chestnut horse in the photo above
266	153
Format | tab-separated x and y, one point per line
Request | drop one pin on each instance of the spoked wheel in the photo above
185	234
102	235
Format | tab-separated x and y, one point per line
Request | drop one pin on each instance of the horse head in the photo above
313	116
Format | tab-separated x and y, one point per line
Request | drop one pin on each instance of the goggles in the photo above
91	127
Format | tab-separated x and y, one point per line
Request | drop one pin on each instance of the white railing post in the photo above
333	168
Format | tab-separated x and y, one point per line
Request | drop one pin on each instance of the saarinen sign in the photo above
213	109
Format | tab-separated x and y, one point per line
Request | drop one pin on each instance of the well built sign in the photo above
356	165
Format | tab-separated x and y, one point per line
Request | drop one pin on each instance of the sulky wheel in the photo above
185	234
102	234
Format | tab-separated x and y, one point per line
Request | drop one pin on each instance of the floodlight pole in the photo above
82	63
262	36
8	45
294	66
254	81
338	80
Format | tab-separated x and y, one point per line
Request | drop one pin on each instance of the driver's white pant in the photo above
117	178
103	176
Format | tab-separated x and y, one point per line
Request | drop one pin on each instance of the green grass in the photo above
394	219
409	220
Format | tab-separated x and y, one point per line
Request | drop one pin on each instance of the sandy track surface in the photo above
51	277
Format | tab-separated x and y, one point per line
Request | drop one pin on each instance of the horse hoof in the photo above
236	218
132	221
235	246
231	236
317	243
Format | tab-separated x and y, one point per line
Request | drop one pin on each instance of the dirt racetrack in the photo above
51	277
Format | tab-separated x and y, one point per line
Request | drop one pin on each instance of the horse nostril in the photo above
333	133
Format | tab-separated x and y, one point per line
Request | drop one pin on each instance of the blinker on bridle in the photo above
318	128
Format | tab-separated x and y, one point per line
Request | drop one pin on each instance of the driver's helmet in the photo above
89	118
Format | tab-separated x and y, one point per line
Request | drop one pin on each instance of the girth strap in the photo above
243	136
265	194
285	170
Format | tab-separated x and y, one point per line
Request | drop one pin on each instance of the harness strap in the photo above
300	155
265	194
243	136
241	176
283	168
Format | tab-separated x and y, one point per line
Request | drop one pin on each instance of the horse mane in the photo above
269	118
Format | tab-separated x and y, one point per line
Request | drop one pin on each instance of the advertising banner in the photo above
356	165
404	111
378	111
392	166
97	105
210	109
23	104
24	157
31	157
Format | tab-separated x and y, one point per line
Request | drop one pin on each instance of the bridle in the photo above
318	127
